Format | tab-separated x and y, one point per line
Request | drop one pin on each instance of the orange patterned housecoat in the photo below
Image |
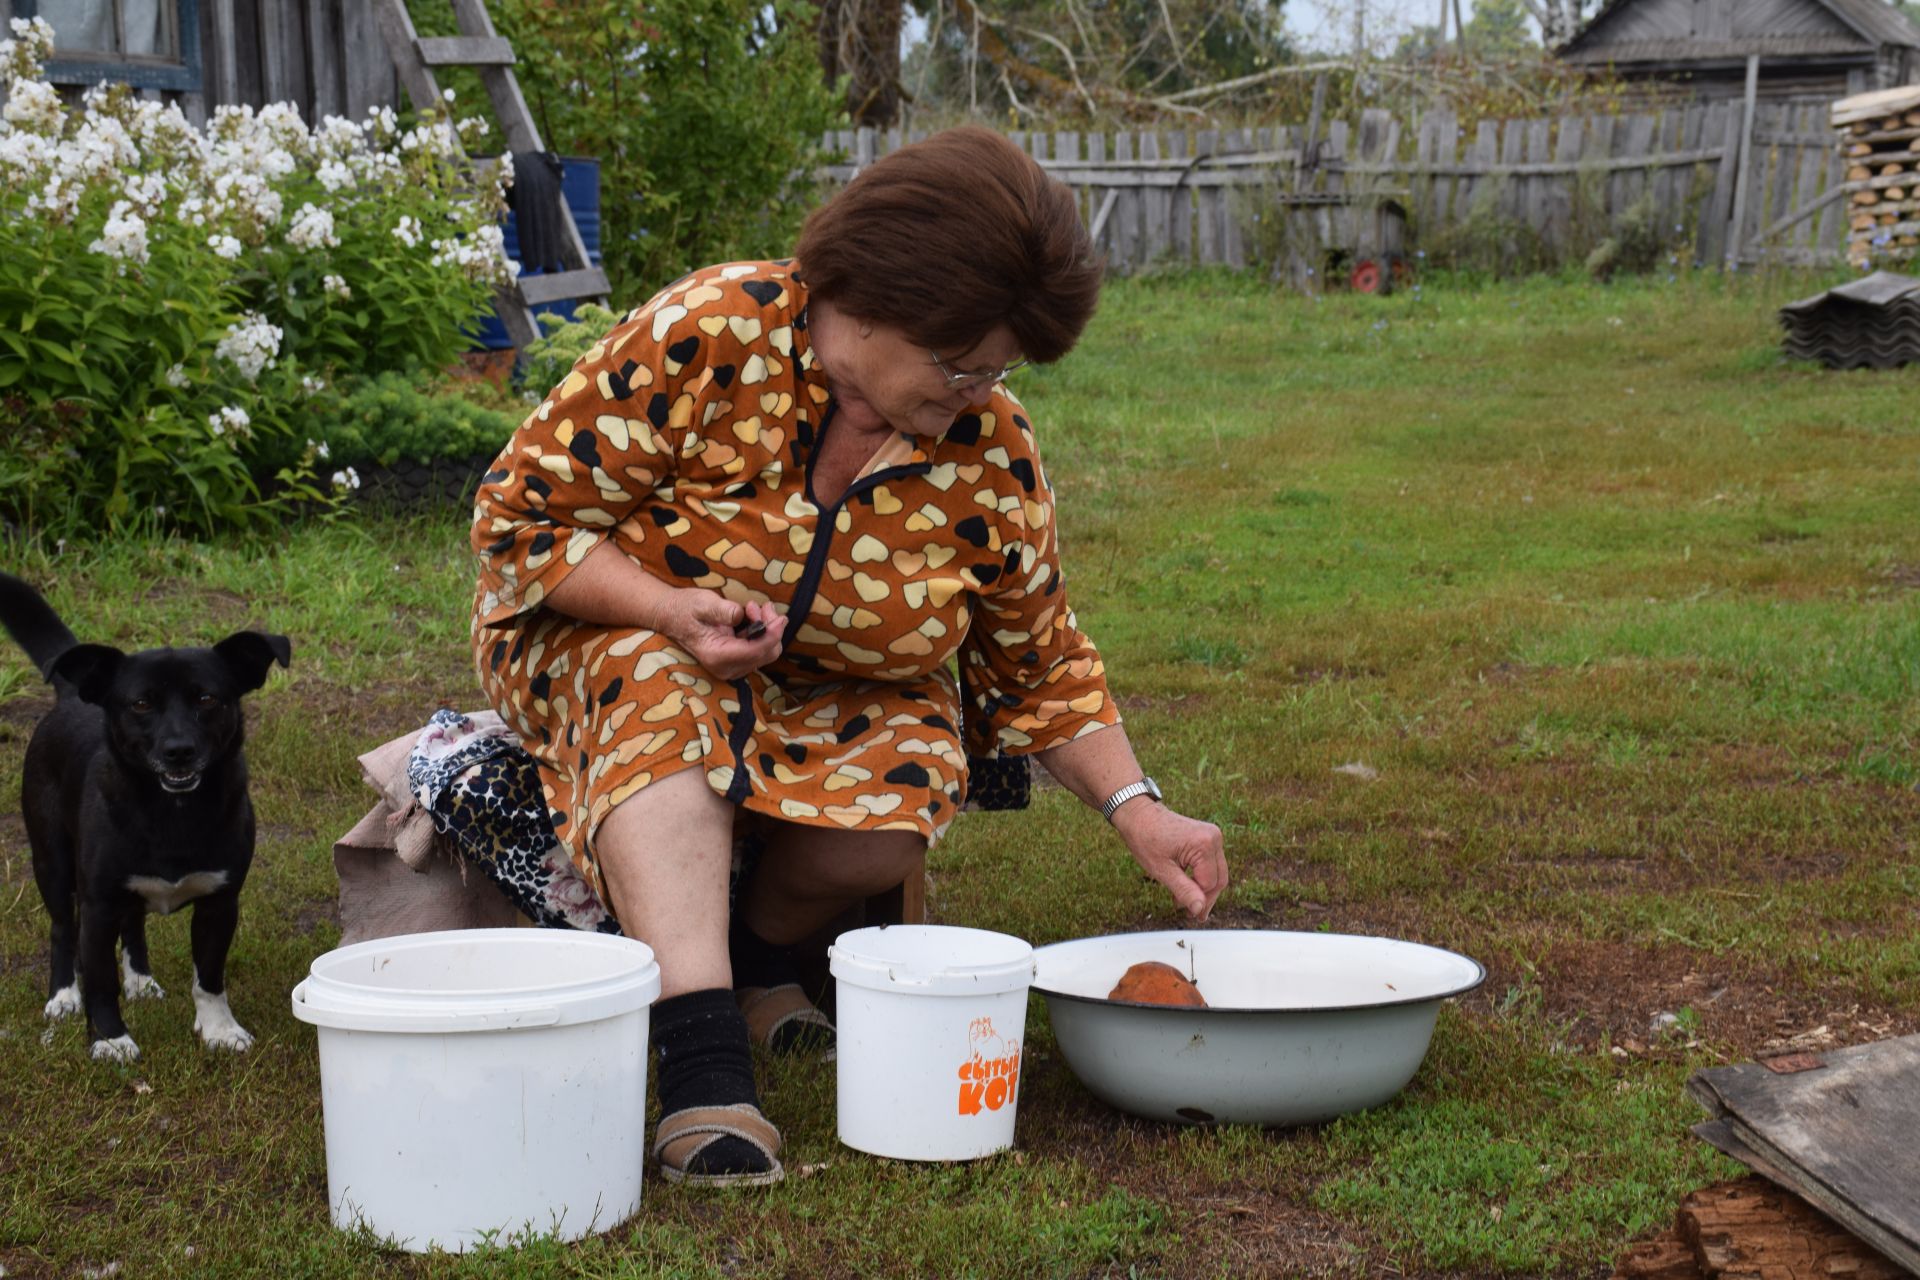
686	437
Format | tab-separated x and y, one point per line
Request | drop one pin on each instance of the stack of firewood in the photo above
1880	140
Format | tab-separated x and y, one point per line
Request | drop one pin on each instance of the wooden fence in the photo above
1550	188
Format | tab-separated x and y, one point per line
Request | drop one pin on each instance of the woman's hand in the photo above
1185	854
704	623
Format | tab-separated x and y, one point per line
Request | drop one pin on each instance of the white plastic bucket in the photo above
930	1022
483	1085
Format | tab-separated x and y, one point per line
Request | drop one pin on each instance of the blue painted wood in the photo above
580	184
182	76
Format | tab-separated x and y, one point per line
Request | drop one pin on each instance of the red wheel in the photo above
1367	277
1402	271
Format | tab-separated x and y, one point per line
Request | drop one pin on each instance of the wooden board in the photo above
1872	106
1845	1135
1125	219
1751	1230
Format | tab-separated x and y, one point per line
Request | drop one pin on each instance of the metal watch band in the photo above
1144	787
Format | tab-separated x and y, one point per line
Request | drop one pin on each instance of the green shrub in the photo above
546	360
387	419
168	295
705	116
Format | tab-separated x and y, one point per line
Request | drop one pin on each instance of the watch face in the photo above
1153	788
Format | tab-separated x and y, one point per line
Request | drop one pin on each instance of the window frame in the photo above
181	74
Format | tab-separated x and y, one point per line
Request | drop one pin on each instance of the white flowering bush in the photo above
169	295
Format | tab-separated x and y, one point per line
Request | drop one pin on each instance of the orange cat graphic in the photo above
990	1074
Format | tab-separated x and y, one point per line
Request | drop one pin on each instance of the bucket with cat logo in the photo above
931	1022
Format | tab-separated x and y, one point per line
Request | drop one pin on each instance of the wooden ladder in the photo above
479	46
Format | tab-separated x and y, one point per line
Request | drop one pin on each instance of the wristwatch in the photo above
1144	787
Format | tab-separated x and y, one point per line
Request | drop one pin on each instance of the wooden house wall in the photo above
1716	20
325	56
1807	50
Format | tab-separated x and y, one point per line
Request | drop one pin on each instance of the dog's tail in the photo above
33	624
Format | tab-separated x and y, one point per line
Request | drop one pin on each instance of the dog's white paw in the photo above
139	986
64	1003
215	1022
118	1049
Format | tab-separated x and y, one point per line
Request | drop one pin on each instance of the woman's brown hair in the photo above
947	238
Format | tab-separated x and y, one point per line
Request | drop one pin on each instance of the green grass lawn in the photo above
1620	612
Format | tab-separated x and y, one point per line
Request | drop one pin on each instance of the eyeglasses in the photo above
957	378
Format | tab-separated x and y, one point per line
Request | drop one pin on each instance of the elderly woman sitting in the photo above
728	565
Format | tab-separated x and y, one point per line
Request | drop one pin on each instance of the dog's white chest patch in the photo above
168	896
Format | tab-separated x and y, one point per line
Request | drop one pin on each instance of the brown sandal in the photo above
686	1133
770	1010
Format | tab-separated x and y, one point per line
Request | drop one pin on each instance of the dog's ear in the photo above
251	654
89	668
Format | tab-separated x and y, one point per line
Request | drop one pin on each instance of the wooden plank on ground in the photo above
1845	1135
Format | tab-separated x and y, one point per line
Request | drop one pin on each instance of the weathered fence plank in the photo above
1555	184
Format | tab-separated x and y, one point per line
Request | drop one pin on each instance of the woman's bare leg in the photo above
665	853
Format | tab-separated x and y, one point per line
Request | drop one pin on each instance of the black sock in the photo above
757	962
705	1061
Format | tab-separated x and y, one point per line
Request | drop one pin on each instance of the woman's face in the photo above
882	378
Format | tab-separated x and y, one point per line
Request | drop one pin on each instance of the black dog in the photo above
135	798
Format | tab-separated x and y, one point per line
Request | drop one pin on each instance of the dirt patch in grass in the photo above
1333	672
1653	999
1256	1223
212	602
20	713
1904	575
309	918
1178	704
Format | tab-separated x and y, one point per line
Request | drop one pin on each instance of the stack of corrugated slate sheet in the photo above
1880	140
1870	323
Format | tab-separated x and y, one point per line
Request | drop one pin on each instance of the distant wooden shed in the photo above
1807	48
324	56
